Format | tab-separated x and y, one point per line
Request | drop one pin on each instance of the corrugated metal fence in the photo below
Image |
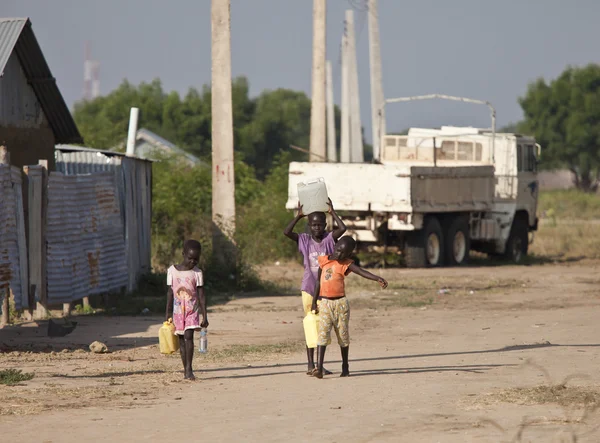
86	245
13	248
134	181
98	226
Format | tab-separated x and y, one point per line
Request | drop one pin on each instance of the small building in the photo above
33	114
152	146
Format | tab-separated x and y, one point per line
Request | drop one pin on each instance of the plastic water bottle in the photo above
203	348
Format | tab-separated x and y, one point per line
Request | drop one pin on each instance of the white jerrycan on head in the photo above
312	194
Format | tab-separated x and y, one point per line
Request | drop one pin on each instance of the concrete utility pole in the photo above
377	97
223	183
345	104
317	111
356	142
331	151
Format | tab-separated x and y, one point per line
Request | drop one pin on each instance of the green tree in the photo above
564	116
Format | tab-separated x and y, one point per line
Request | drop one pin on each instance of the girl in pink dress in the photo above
186	301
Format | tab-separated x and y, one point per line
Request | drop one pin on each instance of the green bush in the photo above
182	206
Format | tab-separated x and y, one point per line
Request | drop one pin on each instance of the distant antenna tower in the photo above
91	79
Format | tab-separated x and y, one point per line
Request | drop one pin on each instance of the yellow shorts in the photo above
307	302
334	314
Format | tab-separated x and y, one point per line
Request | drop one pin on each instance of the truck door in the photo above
527	178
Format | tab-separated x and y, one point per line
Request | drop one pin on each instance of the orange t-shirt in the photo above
332	276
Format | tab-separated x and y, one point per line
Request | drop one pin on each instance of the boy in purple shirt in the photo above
317	243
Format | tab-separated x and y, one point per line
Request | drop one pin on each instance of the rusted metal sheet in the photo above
13	254
86	245
134	182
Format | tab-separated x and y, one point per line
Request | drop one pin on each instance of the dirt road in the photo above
453	355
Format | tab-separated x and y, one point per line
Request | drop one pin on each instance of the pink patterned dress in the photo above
186	306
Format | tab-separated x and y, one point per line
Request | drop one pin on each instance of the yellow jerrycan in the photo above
310	329
167	341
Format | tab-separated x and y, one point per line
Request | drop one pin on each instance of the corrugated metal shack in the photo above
133	179
33	113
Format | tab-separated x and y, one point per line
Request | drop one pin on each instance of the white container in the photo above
312	194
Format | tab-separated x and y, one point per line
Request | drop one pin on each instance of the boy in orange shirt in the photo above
334	310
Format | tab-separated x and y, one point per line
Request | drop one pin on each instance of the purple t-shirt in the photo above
310	249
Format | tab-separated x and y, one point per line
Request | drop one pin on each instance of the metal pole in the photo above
317	111
377	118
331	150
223	183
131	136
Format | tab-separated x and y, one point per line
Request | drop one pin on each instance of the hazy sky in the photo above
485	49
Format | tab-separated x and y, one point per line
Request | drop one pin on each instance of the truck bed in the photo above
398	188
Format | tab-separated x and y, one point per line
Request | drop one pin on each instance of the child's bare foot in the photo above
326	372
345	374
317	373
190	376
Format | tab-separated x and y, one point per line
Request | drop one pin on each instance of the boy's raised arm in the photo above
341	227
289	229
316	294
366	274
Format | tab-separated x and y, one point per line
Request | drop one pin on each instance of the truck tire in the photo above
425	248
517	244
458	241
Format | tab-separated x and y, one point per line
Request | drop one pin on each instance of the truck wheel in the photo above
425	248
458	242
517	244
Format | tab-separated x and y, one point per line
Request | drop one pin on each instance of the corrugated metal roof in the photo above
155	139
71	148
86	244
10	30
16	35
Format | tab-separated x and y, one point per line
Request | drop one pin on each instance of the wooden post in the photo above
66	309
37	203
4	156
86	302
5	318
5	160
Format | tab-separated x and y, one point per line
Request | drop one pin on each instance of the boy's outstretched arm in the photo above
366	274
169	303
316	294
341	227
289	229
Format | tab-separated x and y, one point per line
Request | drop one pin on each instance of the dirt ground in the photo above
479	354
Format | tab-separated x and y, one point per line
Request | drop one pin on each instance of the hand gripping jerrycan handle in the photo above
167	341
310	329
312	194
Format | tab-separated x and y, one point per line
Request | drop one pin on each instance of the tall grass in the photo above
569	204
